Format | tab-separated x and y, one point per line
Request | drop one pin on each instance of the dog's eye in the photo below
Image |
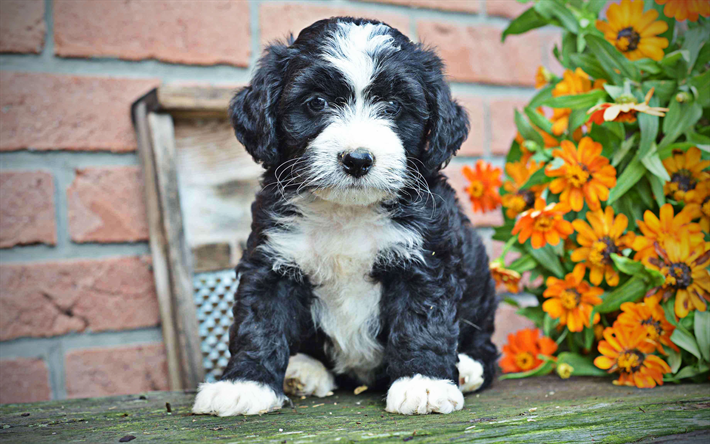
317	104
391	109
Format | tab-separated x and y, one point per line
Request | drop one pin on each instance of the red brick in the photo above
22	26
116	370
277	20
508	322
56	298
106	204
506	8
27	208
200	33
473	146
459	183
24	380
444	5
50	112
503	128
476	54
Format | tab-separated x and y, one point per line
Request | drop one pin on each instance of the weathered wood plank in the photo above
533	410
195	99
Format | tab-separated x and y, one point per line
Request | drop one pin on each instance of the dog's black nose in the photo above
357	163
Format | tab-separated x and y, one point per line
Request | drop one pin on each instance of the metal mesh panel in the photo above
214	295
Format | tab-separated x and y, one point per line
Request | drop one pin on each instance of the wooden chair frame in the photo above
152	117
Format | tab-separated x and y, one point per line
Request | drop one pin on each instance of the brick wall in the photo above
78	310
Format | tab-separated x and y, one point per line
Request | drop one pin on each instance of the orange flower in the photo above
698	204
518	200
598	241
483	188
624	110
542	77
657	230
544	224
686	170
572	83
649	315
504	276
521	352
627	352
585	174
684	266
634	32
685	9
571	300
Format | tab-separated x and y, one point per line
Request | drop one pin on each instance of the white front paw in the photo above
231	398
470	374
306	376
422	395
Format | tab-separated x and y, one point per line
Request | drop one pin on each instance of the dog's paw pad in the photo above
422	395
231	398
306	376
470	374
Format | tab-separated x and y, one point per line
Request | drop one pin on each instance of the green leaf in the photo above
633	172
526	21
526	130
543	369
557	9
664	89
541	96
546	257
581	365
612	60
535	314
631	291
577	118
702	333
590	65
537	178
694	41
686	341
657	188
653	164
538	120
510	301
614	91
523	263
647	65
680	118
687	372
622	152
586	100
701	84
626	265
514	152
648	125
674	359
548	325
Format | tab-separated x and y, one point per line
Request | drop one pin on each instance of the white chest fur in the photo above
336	247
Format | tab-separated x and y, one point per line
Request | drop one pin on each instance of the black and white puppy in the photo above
361	267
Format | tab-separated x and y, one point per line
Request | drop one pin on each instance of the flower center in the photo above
529	198
577	175
601	251
570	298
653	328
679	276
543	223
476	188
684	179
630	361
524	361
627	39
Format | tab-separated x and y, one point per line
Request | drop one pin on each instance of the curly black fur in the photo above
430	310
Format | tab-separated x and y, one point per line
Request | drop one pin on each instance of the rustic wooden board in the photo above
218	180
532	410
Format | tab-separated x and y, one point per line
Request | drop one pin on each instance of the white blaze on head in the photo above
353	50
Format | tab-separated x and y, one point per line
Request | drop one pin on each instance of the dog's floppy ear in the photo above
253	109
448	122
